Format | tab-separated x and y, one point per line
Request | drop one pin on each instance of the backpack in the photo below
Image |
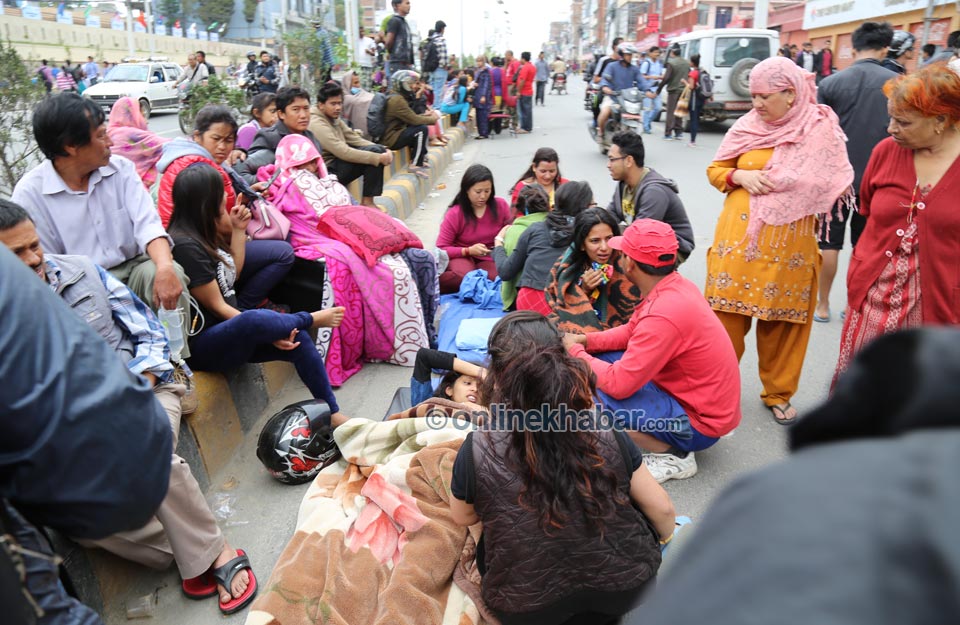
705	85
377	117
431	60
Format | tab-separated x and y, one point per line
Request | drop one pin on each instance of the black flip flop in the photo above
782	409
224	576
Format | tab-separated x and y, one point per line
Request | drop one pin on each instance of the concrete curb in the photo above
231	404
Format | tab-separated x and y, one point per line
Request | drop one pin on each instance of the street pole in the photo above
761	11
927	20
352	27
151	31
129	28
462	28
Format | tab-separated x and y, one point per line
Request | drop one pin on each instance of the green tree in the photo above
305	47
216	92
219	11
250	10
18	95
171	10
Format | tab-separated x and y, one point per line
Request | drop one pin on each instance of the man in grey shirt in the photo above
856	95
543	75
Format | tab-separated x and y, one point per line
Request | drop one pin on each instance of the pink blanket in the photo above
367	331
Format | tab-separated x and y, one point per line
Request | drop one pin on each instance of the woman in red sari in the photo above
904	270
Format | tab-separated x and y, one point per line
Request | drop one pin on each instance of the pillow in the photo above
473	334
367	231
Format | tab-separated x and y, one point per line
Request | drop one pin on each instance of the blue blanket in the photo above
453	311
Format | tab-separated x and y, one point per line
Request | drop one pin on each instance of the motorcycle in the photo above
626	113
559	85
590	101
247	83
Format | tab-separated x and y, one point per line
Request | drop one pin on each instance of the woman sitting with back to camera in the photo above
588	290
539	247
209	243
575	507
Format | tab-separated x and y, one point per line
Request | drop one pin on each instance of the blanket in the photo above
374	542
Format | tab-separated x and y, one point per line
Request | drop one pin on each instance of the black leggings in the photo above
588	607
415	138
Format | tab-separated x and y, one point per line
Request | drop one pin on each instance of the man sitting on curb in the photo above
184	528
642	193
86	201
679	377
293	111
346	154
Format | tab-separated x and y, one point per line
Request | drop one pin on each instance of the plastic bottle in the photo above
172	321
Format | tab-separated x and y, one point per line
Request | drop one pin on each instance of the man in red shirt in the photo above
525	80
676	388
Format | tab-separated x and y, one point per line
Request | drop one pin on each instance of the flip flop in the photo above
224	576
823	319
419	171
199	587
782	409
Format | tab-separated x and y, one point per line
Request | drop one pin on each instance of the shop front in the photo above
832	22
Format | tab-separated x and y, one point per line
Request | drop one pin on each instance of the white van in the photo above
728	54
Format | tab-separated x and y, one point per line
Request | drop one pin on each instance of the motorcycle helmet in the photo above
252	53
902	42
404	82
626	48
297	442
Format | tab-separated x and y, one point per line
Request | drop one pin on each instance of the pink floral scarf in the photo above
809	168
322	190
131	139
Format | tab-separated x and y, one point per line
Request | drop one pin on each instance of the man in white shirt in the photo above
366	59
88	202
807	59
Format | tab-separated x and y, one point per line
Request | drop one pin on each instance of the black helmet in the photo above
297	442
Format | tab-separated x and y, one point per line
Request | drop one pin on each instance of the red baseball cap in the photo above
648	241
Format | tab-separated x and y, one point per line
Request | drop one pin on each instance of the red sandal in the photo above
199	587
224	576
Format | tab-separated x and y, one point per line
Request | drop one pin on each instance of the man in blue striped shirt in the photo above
184	529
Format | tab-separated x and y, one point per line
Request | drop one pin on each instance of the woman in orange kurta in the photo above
781	165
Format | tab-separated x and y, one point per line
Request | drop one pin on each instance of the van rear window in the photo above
729	50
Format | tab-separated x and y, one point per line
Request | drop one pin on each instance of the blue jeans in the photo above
651	403
649	113
249	337
438	82
265	264
525	109
462	109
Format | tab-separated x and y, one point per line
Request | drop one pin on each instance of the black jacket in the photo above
856	96
657	198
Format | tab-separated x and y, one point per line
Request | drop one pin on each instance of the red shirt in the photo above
885	194
676	341
528	74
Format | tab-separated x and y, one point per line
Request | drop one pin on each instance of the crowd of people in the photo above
121	225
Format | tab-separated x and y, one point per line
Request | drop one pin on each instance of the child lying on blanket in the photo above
574	506
459	384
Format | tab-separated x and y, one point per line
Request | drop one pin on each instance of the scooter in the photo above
626	113
559	85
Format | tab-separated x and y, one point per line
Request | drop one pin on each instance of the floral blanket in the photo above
374	542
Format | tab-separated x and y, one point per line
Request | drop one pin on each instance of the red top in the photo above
676	341
456	233
528	75
885	196
165	190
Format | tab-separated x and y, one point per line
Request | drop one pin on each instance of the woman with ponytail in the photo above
561	498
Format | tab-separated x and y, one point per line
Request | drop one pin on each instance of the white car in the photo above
151	83
728	54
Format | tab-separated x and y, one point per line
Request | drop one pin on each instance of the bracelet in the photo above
665	542
497	240
730	182
464	251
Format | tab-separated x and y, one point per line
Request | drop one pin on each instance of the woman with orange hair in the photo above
904	270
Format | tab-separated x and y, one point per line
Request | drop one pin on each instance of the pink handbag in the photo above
267	222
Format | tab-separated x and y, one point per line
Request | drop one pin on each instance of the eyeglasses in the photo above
611	159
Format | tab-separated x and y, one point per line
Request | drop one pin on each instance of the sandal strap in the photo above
225	574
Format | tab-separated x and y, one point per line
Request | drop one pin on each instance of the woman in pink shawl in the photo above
385	319
128	131
782	167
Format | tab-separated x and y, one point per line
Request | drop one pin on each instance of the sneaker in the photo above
667	138
665	467
648	132
678	138
189	402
